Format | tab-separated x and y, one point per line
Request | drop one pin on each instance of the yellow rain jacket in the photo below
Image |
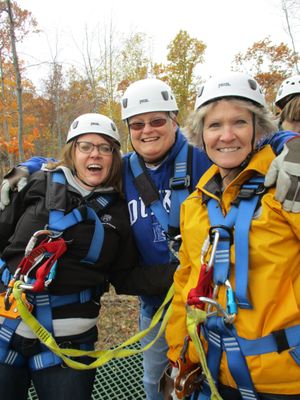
273	281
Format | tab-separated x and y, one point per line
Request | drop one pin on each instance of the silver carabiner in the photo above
32	242
172	243
214	249
228	318
214	296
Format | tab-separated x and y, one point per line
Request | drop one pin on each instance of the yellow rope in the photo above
102	356
195	317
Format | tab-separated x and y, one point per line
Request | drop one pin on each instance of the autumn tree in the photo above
134	60
185	53
268	63
15	25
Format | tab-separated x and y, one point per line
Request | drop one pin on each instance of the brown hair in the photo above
114	177
291	111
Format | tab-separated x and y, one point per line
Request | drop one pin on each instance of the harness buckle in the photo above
179	183
213	229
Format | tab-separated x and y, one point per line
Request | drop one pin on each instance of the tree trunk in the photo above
4	111
18	80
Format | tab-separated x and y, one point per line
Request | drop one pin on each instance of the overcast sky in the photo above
225	26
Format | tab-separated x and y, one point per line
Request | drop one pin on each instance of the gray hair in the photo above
264	124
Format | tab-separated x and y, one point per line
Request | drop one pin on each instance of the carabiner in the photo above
216	234
172	242
228	318
214	296
205	248
32	242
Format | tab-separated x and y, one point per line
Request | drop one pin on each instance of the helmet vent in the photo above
200	91
75	124
165	95
113	127
125	102
252	84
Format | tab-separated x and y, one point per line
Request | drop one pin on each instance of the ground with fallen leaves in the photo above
118	319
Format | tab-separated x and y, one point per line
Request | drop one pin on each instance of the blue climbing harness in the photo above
220	334
43	302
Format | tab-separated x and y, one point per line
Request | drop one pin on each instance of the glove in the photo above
15	180
285	172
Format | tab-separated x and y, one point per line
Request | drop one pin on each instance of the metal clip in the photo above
216	234
228	318
214	296
172	241
32	242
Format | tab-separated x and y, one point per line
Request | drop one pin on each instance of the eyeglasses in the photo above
87	148
154	123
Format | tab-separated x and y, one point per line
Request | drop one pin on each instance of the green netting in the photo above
119	379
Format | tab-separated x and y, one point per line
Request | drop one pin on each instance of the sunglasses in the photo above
154	123
87	148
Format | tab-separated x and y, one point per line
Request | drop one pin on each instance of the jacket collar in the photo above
210	182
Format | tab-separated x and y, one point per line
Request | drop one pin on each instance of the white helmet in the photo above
288	88
147	95
232	84
93	123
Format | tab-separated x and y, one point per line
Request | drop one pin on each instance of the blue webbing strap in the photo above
156	206
244	217
8	356
241	218
222	256
58	221
43	313
44	303
4	273
178	186
223	337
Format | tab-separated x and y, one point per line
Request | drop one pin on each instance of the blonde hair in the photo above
114	177
264	125
291	111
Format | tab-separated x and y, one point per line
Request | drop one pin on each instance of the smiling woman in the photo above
93	159
240	232
80	201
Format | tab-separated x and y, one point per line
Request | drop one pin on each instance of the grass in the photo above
118	319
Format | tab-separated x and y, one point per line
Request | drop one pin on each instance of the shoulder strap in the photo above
240	217
178	184
59	221
148	191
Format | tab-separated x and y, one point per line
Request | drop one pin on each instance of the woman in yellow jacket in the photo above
251	334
